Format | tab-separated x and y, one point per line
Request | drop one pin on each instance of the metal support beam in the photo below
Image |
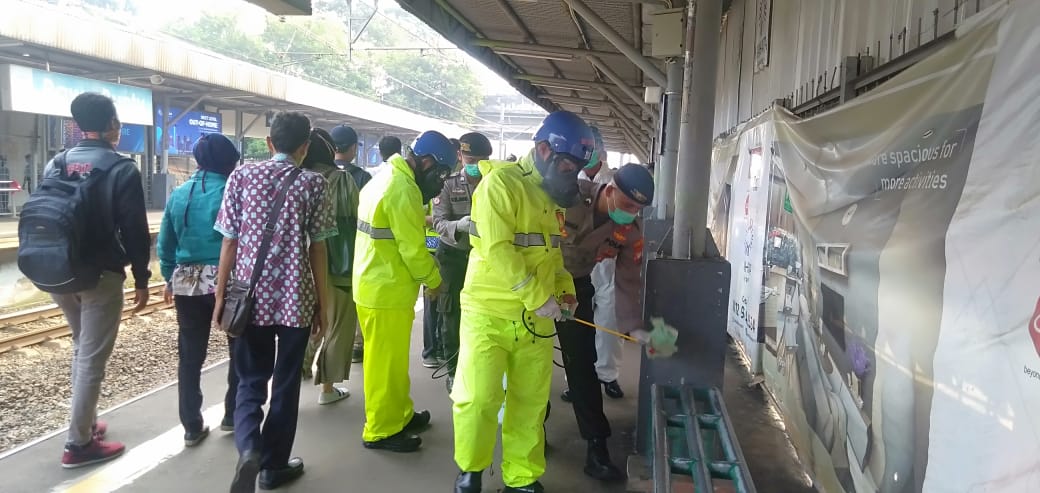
540	48
672	115
849	71
621	84
619	42
693	176
625	110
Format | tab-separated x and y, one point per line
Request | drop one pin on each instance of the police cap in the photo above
636	182
475	144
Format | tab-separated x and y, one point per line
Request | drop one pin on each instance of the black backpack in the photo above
58	232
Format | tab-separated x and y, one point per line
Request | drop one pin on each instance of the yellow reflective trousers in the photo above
388	405
490	347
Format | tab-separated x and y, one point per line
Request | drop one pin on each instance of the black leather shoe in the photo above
534	487
597	462
420	420
613	390
274	478
468	482
566	396
402	442
245	473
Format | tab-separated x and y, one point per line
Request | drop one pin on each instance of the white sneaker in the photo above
336	395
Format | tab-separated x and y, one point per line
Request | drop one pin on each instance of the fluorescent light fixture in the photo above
564	86
547	55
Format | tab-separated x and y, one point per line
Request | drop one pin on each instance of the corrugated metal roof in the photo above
551	23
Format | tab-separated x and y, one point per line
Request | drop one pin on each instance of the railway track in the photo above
30	337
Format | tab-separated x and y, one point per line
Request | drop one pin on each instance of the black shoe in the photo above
358	354
613	390
274	478
597	462
468	482
566	396
431	362
227	424
193	438
401	442
245	473
534	487
420	420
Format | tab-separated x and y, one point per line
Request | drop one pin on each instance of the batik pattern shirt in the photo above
285	294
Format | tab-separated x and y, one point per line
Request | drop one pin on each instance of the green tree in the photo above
432	85
319	48
253	148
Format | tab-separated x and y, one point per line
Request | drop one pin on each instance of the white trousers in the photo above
608	347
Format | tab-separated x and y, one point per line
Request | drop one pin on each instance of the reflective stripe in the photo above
375	233
528	239
523	283
555	240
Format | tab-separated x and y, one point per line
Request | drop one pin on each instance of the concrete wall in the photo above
808	40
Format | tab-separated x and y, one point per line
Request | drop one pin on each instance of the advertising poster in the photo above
188	129
900	244
745	240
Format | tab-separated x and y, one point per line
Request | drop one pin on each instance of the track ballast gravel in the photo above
34	381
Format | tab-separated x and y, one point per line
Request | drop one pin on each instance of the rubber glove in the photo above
464	225
550	309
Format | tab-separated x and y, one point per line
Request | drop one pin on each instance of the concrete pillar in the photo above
672	116
694	173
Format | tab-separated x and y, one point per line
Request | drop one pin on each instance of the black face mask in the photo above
431	181
561	186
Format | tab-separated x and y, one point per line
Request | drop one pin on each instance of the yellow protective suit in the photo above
514	267
390	263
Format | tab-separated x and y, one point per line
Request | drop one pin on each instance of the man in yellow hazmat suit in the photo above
390	263
514	289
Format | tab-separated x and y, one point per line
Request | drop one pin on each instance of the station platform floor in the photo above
329	441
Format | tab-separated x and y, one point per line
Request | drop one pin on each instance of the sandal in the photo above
336	395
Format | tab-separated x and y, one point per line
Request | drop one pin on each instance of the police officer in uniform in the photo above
603	225
451	220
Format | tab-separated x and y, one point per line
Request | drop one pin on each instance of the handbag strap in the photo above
269	227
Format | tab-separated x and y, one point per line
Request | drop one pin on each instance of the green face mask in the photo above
620	216
472	170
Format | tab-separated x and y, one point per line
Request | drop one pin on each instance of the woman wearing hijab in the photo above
189	250
336	346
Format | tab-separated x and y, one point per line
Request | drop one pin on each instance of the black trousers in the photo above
262	354
193	320
431	330
578	343
453	273
431	337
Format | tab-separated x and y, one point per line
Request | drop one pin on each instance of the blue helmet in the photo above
567	134
433	143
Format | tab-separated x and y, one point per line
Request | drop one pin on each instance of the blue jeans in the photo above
257	361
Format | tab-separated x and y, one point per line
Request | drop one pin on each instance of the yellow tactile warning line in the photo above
137	461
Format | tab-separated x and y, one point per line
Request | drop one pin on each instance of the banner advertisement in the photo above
893	244
41	92
188	129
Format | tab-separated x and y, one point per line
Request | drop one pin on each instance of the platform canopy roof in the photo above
186	75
